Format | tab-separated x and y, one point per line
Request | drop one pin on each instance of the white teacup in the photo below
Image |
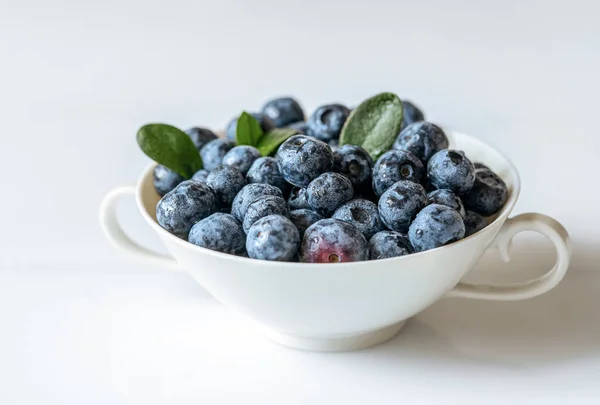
348	306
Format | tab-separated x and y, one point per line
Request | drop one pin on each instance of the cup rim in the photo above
499	217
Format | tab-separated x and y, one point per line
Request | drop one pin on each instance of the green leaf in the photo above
374	124
270	141
248	130
170	147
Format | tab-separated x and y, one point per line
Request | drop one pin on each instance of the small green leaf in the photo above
374	124
170	147
270	141
248	130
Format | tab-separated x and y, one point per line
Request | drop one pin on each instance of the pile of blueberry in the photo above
319	203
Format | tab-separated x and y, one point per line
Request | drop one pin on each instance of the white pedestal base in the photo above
338	344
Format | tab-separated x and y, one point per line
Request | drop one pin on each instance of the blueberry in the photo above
241	157
303	218
333	241
436	225
301	127
399	205
301	159
447	198
363	214
201	175
283	111
327	121
220	232
410	114
165	180
265	170
353	162
186	204
451	169
201	136
298	198
226	182
328	191
269	205
393	166
273	237
488	194
473	223
423	139
212	153
265	122
386	244
248	195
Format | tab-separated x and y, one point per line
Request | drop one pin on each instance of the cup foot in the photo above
338	344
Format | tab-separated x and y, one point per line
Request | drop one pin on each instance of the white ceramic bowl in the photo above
347	306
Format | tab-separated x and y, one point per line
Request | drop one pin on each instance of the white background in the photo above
82	324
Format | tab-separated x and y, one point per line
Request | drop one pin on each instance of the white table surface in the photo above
83	324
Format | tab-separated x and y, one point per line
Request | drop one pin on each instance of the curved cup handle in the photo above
528	289
115	234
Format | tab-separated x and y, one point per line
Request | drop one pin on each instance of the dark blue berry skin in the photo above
327	121
226	182
450	169
399	205
188	203
353	162
387	244
300	126
488	194
411	113
269	205
328	192
201	175
333	241
165	180
283	111
265	170
447	198
273	237
298	199
393	166
363	214
473	223
481	166
212	153
436	225
200	136
265	123
241	157
220	232
301	159
423	139
303	218
248	195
